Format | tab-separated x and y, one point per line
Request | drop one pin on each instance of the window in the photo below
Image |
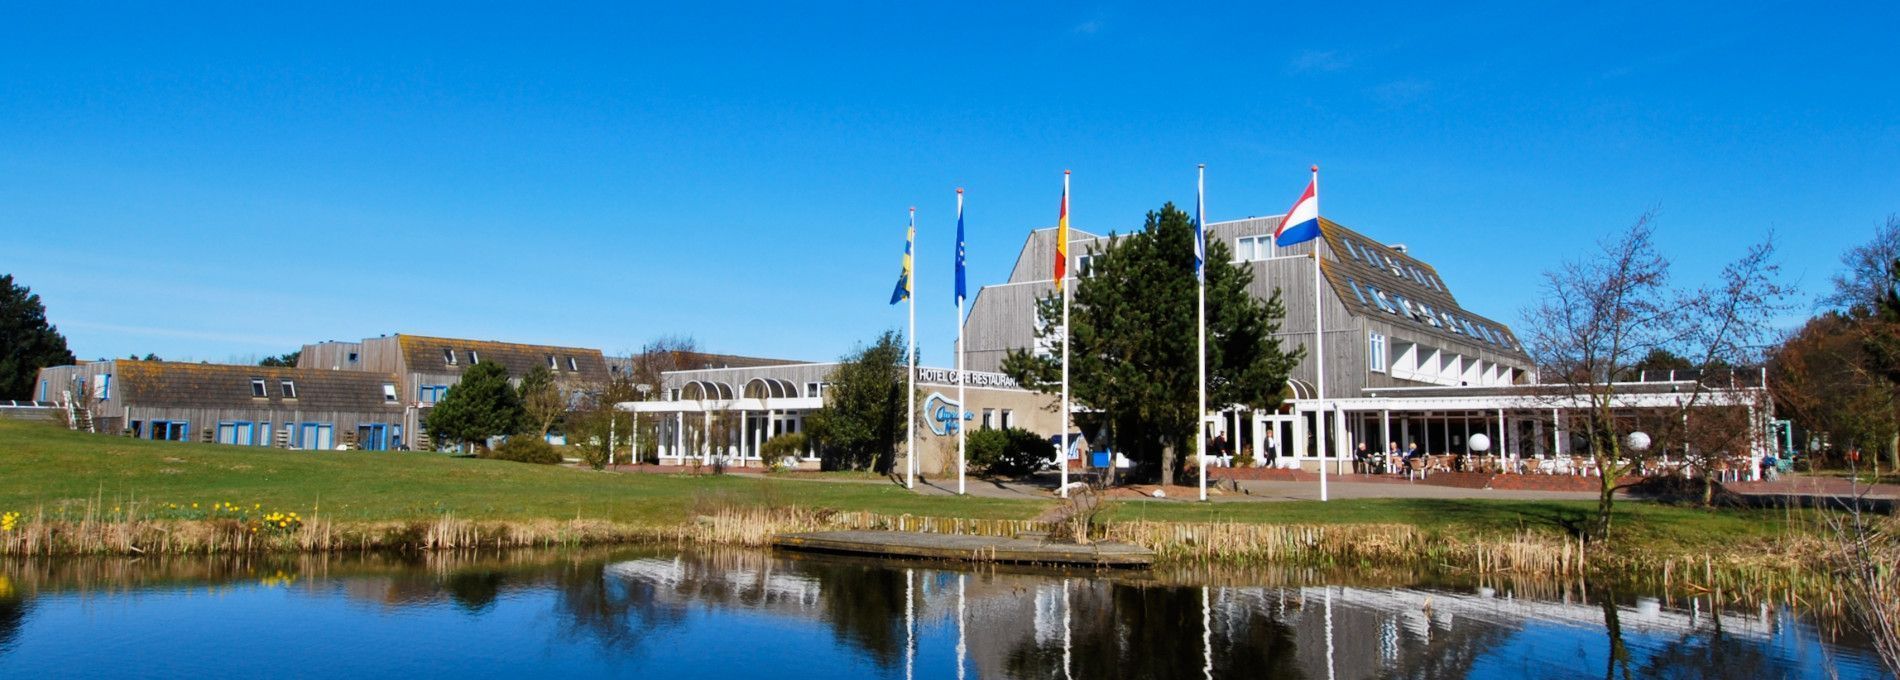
448	356
43	387
989	418
288	388
573	365
1083	264
389	392
1009	419
429	394
352	357
257	388
104	387
474	358
1251	248
1354	285
1375	352
551	365
1384	301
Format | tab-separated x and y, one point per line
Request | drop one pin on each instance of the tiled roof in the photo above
432	355
185	385
1412	291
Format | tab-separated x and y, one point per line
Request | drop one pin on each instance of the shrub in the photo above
1008	452
525	449
777	449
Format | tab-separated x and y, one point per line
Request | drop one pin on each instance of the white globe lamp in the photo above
1638	441
1480	443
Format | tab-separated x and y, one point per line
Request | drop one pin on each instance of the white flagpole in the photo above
1062	452
961	406
910	382
1200	325
1319	346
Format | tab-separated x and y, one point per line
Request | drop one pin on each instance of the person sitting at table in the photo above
1362	459
1394	461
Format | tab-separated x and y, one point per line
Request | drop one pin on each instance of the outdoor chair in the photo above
1415	468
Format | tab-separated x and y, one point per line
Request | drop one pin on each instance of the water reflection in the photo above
727	612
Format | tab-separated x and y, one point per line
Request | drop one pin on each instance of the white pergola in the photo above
765	408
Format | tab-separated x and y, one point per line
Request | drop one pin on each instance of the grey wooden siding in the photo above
1002	317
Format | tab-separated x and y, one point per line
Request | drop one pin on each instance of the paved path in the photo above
1341	487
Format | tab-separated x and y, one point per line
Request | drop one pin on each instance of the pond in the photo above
662	612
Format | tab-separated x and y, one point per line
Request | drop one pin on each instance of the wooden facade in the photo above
1429	340
243	405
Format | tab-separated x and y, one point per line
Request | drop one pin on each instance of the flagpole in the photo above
910	382
961	406
1200	325
1062	452
1319	346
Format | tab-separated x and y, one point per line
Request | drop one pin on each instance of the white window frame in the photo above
448	355
474	357
258	389
573	365
288	388
389	392
1375	352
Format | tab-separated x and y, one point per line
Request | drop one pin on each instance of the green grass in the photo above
43	466
1635	522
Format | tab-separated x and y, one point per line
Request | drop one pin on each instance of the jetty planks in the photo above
905	544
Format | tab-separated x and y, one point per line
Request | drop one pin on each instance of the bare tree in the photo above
543	398
1865	279
1600	315
645	376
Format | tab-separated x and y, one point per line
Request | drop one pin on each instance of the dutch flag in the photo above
1301	223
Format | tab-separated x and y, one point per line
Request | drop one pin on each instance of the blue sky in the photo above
230	180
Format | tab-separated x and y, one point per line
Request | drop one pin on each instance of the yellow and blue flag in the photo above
902	292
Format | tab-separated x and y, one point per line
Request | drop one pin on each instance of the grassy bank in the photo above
77	492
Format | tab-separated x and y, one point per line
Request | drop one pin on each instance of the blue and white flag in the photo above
1200	225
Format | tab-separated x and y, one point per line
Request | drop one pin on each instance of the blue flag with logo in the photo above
960	285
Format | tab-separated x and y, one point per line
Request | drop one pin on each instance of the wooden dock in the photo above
906	544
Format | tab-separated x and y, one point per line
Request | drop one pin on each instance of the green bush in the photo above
1008	452
777	449
525	449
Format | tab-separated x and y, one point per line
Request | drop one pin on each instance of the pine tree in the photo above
1132	349
27	342
863	416
483	405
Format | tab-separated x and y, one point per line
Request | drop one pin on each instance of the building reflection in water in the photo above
635	607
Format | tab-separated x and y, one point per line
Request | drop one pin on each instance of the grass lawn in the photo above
46	466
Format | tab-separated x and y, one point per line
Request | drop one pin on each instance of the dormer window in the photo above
288	388
389	392
448	356
573	365
552	366
474	358
257	388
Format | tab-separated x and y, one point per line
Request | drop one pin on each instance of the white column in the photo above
1342	446
1556	433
